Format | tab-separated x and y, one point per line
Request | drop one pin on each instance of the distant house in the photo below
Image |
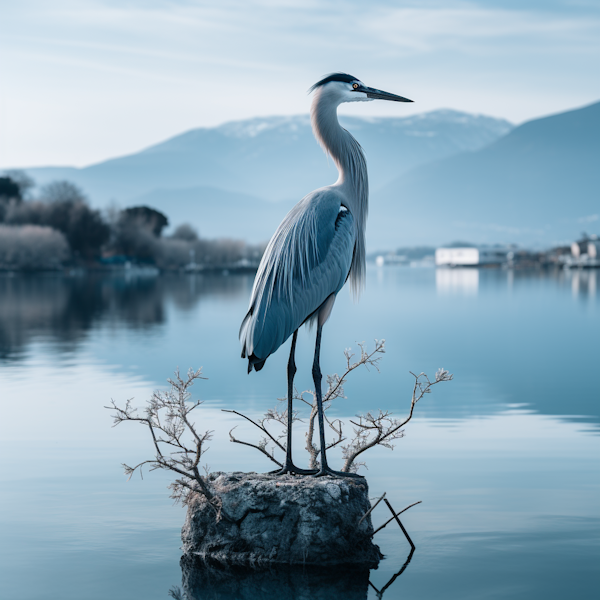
585	253
471	256
587	245
391	259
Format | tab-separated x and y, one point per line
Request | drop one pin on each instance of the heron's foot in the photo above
291	469
326	471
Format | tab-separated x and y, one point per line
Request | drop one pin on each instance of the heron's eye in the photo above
355	86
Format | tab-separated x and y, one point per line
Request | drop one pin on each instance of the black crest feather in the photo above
344	77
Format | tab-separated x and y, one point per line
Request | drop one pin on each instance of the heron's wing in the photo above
306	261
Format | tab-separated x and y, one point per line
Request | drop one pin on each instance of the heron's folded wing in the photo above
307	260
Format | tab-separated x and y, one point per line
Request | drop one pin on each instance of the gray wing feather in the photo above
307	260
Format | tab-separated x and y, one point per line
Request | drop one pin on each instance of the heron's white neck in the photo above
352	166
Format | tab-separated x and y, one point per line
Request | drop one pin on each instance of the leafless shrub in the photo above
180	250
273	415
63	206
32	247
382	429
219	252
172	253
178	446
185	232
370	430
335	390
62	191
184	248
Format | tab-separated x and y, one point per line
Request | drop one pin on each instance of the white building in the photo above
585	253
470	257
590	246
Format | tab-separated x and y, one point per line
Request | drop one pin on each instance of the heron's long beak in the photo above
380	95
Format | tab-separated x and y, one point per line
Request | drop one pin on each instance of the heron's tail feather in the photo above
246	337
245	331
255	363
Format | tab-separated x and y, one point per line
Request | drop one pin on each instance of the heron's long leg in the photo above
291	371
289	466
317	378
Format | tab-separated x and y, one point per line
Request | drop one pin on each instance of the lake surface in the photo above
505	458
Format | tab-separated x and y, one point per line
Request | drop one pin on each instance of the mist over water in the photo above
504	458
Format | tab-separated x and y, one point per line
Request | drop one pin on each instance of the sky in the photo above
86	80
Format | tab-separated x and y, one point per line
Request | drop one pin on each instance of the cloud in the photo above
589	219
511	230
152	68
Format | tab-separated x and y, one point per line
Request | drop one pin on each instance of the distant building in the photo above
585	253
416	256
471	256
587	245
391	259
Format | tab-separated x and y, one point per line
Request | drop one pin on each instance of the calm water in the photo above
505	458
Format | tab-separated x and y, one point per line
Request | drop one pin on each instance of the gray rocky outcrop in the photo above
287	519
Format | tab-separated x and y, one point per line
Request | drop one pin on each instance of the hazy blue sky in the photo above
84	80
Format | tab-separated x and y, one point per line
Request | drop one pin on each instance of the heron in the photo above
318	246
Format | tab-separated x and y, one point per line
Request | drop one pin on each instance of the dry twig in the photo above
382	429
178	446
395	515
335	390
371	429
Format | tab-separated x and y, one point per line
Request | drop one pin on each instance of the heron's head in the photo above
341	87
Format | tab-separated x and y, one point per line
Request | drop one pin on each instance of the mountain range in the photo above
538	183
434	177
225	180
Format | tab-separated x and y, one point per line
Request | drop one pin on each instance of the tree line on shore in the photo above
55	226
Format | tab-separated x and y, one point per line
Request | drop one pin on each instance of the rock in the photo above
282	520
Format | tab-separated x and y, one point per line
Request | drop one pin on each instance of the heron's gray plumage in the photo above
319	246
353	181
321	242
306	261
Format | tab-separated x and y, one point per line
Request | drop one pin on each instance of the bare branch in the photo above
370	430
261	446
335	389
381	429
395	516
168	412
259	425
371	509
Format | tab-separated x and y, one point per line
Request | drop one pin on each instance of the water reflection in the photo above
452	281
468	281
203	582
583	283
379	592
64	308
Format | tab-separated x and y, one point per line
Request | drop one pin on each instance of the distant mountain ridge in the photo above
272	159
434	177
539	183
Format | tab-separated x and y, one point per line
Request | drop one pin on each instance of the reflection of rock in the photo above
204	582
283	520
